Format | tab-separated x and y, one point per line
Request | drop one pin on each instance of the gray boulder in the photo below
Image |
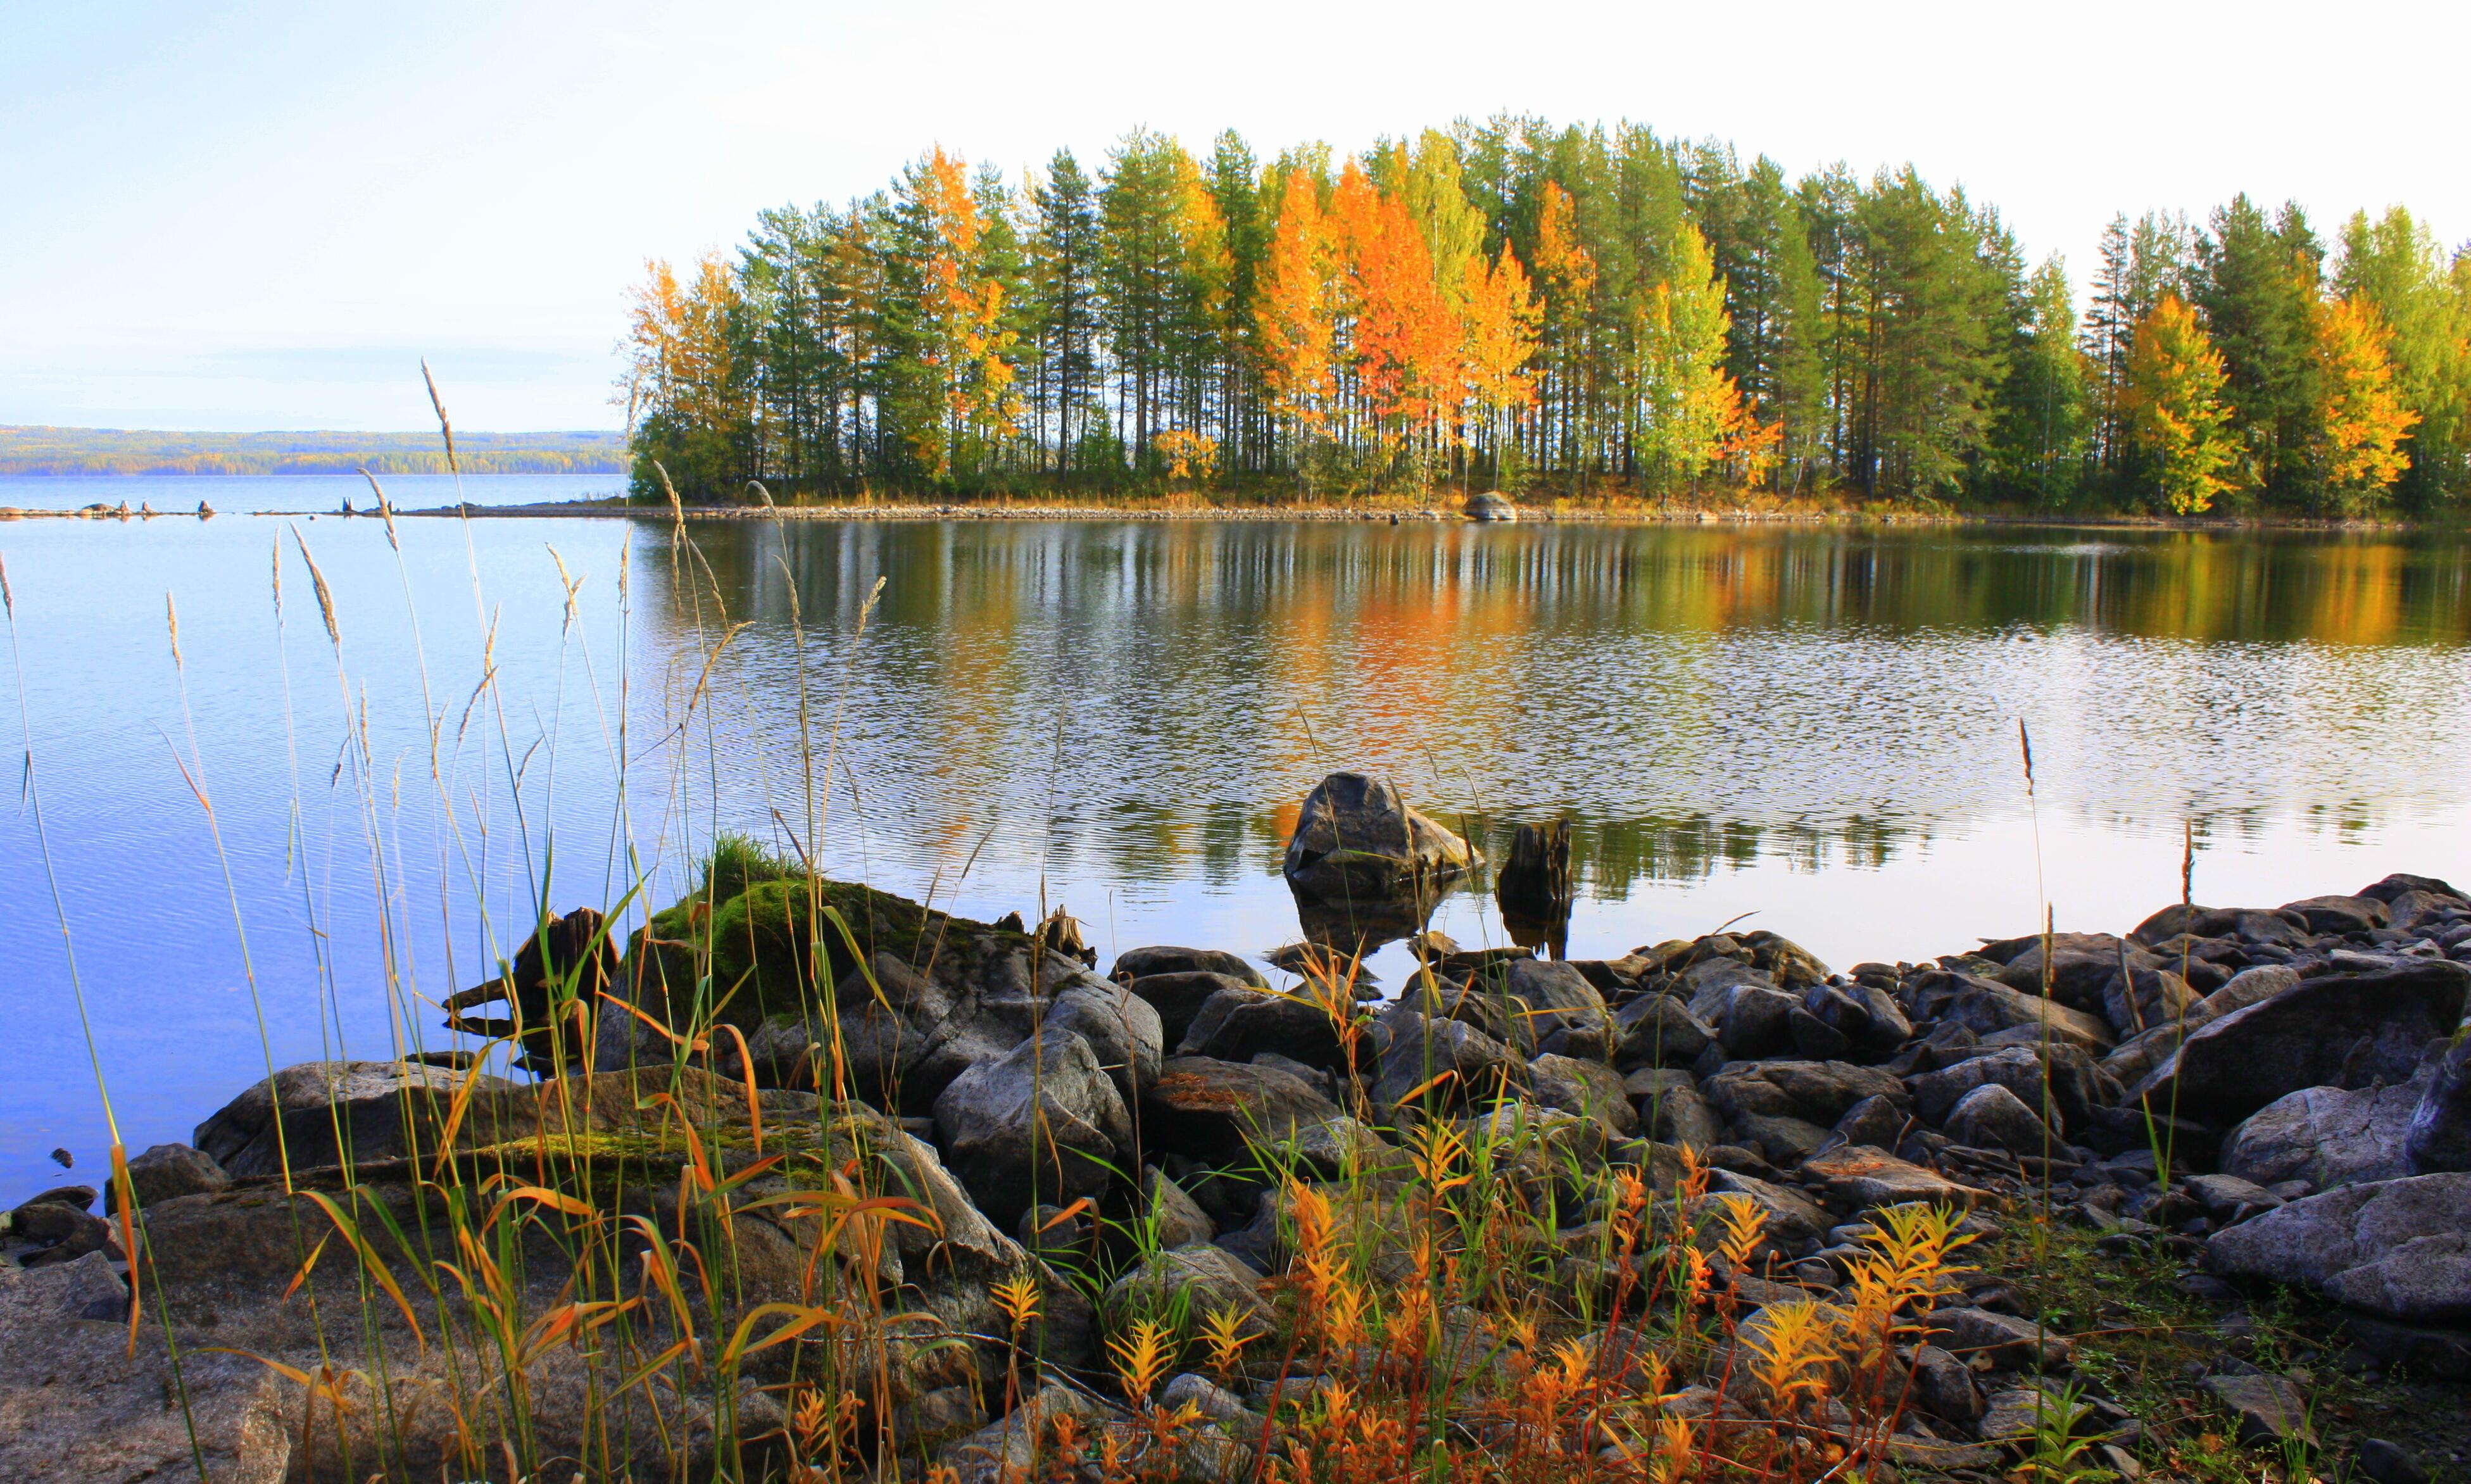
1993	1118
2336	1028
1357	841
1041	1124
2328	1136
1453	1064
1987	1007
1200	1277
1672	1109
1121	1026
1216	1111
2337	915
1141	963
1239	1023
165	1172
1873	1025
1179	997
1658	1030
1587	1088
1757	1022
2399	1248
1555	1004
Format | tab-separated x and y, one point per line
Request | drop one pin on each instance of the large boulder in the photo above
2254	926
1214	1111
1119	1026
1816	1091
1178	995
1993	1118
904	1036
1357	840
1044	1123
2327	1135
1870	1025
1586	1087
1238	1023
166	1171
2336	1030
357	1113
2080	965
2074	1087
1987	1007
1658	1030
2399	1248
1141	963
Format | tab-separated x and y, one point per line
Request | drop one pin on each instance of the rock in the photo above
1794	1223
2228	1199
64	1233
1757	1022
2337	915
1121	1026
1556	1005
1869	1022
2327	1135
1944	1385
1173	1218
1010	1448
2007	1341
1658	1030
1238	1023
85	1287
2081	964
1200	1278
2442	1352
1337	1149
1816	1091
2270	1408
1447	1063
2071	1093
2249	924
77	1405
1985	1007
937	1418
77	1197
1587	1088
1672	1109
2367	1026
165	1172
2144	999
1879	1121
1043	1124
1135	964
1787	1141
1356	839
1491	506
2439	1136
1214	1111
2398	883
2390	1463
1859	1176
384	1111
1993	1118
2399	1248
2248	987
1178	997
2015	1413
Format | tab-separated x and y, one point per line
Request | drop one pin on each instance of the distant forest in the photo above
1554	312
119	451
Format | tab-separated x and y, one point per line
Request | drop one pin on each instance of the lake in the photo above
285	846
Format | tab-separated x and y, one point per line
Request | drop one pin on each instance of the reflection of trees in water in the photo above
1694	698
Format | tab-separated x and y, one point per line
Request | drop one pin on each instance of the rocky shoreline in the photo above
1688	1150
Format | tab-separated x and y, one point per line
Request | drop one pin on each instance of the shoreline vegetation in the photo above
1582	313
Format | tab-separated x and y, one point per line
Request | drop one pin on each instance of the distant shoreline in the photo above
622	508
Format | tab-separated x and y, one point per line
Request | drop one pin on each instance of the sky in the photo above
257	217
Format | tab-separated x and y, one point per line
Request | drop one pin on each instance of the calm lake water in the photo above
1815	727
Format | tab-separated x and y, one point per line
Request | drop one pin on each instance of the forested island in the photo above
1572	314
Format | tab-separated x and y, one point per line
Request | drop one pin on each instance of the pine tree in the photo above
2045	419
2177	413
1065	251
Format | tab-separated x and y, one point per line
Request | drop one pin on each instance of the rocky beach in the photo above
803	1177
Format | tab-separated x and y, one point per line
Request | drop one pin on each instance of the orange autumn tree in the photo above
1401	339
2361	416
1294	314
2176	409
964	343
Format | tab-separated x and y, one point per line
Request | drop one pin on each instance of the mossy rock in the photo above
760	946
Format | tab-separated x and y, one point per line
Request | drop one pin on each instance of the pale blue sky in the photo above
260	216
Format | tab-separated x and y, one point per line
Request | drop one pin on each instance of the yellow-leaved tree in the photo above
2361	416
964	341
1294	311
2176	416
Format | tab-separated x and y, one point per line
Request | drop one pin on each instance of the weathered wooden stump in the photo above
1534	886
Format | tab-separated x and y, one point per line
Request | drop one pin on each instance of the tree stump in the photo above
1533	884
